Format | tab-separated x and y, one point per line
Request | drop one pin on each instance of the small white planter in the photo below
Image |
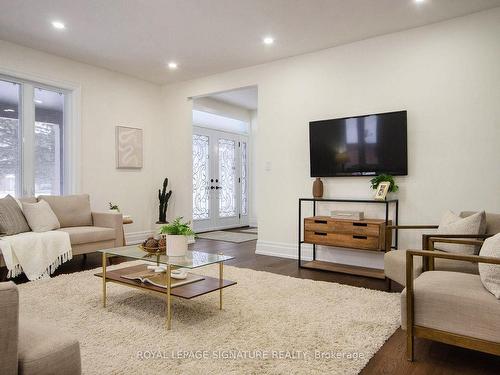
176	245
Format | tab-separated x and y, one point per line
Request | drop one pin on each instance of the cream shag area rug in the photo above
270	324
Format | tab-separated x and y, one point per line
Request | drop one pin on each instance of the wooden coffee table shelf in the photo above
187	291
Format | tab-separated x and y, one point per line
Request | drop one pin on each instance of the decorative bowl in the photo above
153	250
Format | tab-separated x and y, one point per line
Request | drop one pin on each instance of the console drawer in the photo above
341	226
357	241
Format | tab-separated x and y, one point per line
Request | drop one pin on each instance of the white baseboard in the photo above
134	238
283	250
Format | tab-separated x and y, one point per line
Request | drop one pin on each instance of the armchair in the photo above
28	347
395	260
449	307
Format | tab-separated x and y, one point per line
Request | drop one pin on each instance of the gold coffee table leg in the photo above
104	261
221	283
169	312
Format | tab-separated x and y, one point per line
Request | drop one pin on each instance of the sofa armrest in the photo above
9	327
110	220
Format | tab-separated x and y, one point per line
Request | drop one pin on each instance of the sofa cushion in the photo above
395	266
80	235
40	216
490	273
12	220
71	210
46	350
455	224
454	302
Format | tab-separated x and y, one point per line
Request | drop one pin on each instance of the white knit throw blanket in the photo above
36	254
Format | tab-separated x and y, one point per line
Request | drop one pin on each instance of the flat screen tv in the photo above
359	146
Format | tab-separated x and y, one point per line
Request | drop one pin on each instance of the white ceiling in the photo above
139	37
245	97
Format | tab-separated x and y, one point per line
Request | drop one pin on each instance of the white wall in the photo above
108	99
447	76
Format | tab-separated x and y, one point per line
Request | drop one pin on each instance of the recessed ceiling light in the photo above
419	1
38	101
172	65
58	25
8	110
268	40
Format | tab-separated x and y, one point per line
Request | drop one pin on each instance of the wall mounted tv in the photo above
359	146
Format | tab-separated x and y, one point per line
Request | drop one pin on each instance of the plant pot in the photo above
176	245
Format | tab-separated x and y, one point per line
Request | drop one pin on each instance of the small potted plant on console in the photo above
177	234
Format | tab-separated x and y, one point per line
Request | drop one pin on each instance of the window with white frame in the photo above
32	139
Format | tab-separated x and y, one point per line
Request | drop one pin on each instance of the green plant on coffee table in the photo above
384	177
177	228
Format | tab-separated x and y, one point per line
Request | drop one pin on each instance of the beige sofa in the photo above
88	231
395	260
28	347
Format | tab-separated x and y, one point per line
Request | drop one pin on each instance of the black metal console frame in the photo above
387	204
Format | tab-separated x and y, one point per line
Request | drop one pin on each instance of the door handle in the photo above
217	188
211	187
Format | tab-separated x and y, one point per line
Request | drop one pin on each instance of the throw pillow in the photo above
454	224
12	220
490	273
40	216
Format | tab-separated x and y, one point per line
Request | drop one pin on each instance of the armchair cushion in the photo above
490	273
71	210
45	350
454	302
395	266
455	224
9	320
492	221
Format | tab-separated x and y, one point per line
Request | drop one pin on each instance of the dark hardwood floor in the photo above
432	358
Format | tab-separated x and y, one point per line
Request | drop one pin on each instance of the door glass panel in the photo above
227	178
10	140
201	172
49	125
244	179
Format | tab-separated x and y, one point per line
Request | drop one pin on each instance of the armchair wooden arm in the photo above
429	261
426	237
390	227
412	330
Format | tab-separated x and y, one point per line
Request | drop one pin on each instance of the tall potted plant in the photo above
177	234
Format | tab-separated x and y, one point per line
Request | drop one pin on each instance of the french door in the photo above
220	180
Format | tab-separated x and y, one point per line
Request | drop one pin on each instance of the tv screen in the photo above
359	146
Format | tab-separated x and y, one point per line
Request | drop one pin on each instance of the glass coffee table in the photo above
192	259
